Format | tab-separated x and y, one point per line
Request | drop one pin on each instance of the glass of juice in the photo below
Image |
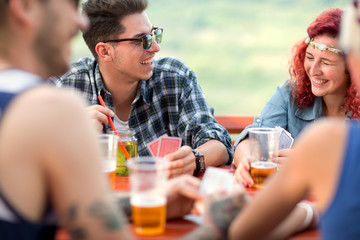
128	139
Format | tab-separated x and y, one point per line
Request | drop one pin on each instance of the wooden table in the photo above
180	227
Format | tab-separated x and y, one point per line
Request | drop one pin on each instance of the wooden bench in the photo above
234	124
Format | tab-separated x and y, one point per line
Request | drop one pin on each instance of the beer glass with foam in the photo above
264	147
148	176
108	146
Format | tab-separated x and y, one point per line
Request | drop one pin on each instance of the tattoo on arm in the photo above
109	214
218	219
111	218
76	232
224	211
124	204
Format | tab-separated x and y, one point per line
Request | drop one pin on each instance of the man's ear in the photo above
22	11
105	51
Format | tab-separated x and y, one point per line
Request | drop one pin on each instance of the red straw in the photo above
127	155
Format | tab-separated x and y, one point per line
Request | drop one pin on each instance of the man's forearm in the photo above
215	153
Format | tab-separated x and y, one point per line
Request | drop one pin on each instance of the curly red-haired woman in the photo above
320	86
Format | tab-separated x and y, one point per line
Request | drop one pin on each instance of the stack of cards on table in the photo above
285	139
164	145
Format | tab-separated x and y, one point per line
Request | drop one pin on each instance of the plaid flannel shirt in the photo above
170	102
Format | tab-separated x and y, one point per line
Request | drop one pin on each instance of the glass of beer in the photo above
148	176
264	147
109	146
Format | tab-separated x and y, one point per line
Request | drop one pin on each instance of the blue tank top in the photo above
13	226
341	219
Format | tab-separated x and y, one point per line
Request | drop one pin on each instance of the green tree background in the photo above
239	49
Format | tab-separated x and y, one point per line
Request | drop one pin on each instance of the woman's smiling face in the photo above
326	69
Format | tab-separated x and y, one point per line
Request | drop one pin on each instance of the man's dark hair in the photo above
105	18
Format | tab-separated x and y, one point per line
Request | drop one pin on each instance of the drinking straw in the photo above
127	155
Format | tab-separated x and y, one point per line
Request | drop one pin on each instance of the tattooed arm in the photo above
69	164
107	214
219	216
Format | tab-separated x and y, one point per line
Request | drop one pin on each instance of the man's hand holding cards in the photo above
182	158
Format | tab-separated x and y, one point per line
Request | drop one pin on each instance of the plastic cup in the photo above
264	147
109	146
148	177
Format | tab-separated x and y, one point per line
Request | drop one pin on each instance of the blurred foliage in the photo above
239	49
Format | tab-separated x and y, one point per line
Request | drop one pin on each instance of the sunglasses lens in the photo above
158	35
147	40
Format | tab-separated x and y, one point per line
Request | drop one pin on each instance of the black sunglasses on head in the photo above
146	40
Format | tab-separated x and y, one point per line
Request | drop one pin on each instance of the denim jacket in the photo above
282	111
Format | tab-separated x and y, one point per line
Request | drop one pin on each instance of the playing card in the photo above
216	180
154	147
168	145
285	139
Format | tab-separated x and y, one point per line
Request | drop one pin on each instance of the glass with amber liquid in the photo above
148	214
260	170
128	139
148	176
264	147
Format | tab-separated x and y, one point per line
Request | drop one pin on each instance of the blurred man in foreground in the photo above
50	171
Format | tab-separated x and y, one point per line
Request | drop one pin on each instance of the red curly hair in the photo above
328	22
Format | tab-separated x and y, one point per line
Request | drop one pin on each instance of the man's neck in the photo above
123	91
123	96
26	61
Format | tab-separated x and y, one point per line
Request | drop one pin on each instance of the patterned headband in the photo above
356	5
321	46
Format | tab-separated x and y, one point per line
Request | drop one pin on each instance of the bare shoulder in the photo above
45	96
319	153
320	144
322	141
43	113
323	132
46	105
